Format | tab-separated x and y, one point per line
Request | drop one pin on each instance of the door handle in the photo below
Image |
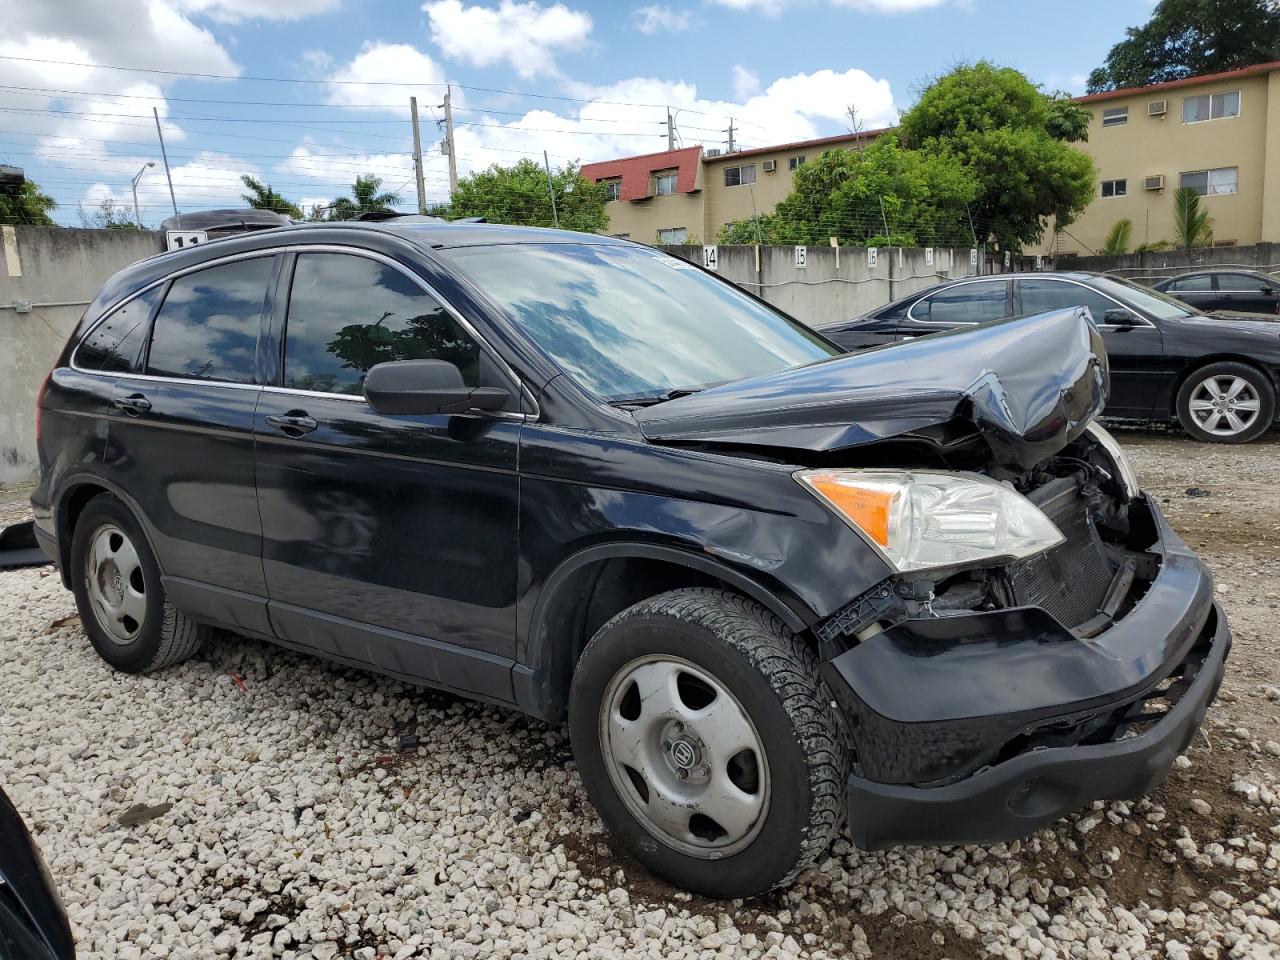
134	404
293	424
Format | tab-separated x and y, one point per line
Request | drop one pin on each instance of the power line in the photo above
357	83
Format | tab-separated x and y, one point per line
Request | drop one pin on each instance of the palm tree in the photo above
1192	227
1117	241
364	198
262	197
25	204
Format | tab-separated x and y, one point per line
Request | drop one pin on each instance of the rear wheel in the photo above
122	602
1227	402
708	743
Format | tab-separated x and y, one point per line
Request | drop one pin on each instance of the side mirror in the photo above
427	386
1118	316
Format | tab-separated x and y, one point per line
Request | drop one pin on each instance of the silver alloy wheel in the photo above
684	756
116	587
1224	405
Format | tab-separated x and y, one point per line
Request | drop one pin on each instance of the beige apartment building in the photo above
1219	134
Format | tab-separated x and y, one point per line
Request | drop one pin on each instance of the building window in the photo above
664	183
1211	106
1212	183
673	235
794	162
738	176
1115	116
1115	188
620	236
612	190
1224	243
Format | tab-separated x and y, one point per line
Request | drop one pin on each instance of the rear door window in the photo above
1039	296
964	303
1201	281
348	313
1242	283
115	344
208	326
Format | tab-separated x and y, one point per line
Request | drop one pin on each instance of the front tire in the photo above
1227	402
708	743
121	600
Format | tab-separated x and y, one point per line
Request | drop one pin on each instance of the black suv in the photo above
770	585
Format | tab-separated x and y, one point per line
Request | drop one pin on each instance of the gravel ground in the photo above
254	802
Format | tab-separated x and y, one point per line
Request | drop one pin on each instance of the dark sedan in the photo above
1244	290
1215	373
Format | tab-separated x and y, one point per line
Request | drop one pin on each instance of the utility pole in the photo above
417	157
167	175
551	192
671	130
731	134
448	131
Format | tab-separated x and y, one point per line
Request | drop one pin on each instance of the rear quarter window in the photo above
208	326
115	344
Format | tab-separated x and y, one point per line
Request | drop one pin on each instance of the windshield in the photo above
632	323
1159	305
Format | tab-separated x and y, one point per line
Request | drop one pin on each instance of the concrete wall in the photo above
59	270
1150	268
822	292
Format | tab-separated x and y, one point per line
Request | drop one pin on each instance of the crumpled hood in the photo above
1029	385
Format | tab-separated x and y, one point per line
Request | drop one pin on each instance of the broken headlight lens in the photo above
921	519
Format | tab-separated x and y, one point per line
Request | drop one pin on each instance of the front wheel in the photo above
1227	402
708	743
122	603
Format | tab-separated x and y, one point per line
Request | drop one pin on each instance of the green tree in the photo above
1192	227
364	199
518	194
1015	142
1117	241
110	215
854	195
262	197
1188	38
23	203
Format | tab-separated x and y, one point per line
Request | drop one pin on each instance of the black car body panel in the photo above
1030	386
478	552
33	924
1148	358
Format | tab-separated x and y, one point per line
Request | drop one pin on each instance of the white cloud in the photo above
234	11
525	35
658	17
746	82
361	81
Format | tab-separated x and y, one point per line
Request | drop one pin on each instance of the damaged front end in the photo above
1043	638
986	701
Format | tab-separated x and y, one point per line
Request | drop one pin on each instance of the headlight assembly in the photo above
922	519
1128	479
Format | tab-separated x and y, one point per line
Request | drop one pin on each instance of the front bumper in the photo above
981	728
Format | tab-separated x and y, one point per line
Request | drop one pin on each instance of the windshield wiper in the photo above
651	401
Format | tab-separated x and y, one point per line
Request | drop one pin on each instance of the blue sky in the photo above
583	80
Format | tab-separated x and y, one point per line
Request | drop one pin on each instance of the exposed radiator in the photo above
1071	580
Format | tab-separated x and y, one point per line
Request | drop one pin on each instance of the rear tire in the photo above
122	603
727	776
1227	402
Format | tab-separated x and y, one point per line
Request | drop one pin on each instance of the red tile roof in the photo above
1184	82
866	136
635	171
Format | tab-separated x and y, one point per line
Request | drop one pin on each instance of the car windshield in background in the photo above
1159	305
632	323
